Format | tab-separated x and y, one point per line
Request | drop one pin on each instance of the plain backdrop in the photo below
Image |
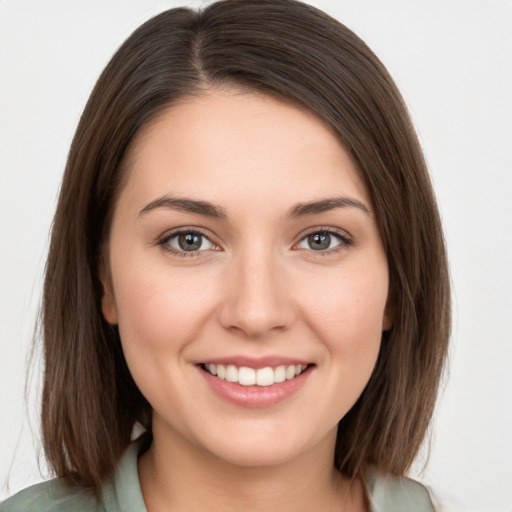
452	61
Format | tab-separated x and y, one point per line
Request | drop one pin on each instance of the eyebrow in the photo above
186	205
325	205
210	210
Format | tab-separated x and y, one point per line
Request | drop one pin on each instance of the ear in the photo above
389	315
108	302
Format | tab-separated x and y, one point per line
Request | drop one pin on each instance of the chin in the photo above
257	448
255	456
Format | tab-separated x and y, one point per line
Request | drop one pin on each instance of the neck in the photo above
176	475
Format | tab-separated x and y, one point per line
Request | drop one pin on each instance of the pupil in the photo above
319	241
189	242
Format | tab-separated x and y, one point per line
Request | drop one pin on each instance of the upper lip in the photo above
256	362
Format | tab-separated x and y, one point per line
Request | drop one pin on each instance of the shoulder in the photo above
121	493
51	496
390	493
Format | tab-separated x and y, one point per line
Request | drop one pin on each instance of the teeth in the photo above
290	372
231	373
246	376
221	371
265	376
280	374
250	377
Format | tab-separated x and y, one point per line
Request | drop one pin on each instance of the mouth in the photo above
259	377
256	382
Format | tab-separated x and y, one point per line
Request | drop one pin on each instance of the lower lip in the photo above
256	396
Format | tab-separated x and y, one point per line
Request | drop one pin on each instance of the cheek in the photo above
348	320
160	314
346	310
159	310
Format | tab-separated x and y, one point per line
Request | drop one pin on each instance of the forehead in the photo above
236	143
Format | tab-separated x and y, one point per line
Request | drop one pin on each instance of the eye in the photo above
323	240
187	242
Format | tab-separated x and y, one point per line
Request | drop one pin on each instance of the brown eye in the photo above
190	241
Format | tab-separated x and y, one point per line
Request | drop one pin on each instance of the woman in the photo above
253	272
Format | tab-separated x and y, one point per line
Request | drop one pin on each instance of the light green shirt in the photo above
122	494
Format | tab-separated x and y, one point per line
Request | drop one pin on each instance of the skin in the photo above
255	288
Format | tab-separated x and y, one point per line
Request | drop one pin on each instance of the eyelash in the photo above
165	245
345	241
343	237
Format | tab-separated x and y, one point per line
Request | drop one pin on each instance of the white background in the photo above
453	62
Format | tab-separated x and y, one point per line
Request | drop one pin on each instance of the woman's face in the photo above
244	244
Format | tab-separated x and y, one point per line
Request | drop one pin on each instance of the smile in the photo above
256	382
247	376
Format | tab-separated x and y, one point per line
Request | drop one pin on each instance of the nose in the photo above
255	298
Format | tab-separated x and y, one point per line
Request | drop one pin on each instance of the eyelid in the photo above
344	237
163	241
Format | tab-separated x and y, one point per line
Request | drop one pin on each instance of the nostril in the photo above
255	304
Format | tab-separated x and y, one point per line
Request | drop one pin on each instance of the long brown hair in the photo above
297	53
